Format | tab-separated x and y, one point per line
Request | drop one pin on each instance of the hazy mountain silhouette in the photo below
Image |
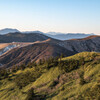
8	30
67	36
55	35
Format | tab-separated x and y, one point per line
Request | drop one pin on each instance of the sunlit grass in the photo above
70	89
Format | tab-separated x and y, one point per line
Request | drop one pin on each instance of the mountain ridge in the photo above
49	48
86	38
19	37
33	52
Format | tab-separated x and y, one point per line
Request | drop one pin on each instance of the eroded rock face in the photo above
91	44
9	47
4	50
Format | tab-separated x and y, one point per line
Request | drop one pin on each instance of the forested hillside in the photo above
62	78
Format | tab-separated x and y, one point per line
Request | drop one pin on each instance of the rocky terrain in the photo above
91	43
48	48
33	52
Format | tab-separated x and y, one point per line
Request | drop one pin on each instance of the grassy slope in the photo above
68	83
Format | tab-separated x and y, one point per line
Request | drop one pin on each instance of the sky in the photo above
67	16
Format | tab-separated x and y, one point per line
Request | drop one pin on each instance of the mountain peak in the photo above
8	30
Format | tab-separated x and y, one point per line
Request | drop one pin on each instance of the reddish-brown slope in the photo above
33	52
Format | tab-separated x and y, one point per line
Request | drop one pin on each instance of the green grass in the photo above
48	76
68	86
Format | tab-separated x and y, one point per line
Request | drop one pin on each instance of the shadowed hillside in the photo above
22	37
91	43
33	52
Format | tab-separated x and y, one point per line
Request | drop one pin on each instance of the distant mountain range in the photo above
67	36
55	35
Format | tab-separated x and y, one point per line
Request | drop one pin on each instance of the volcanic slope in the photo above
33	52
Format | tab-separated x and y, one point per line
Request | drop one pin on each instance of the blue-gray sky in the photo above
51	15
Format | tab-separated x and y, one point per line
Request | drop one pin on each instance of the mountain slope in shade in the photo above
91	43
33	52
8	30
19	37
